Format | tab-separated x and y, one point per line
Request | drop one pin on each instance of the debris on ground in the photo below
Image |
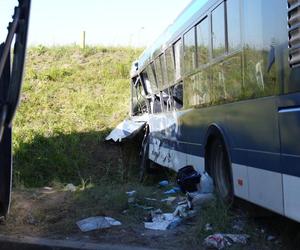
220	241
131	196
164	183
70	187
174	190
150	199
199	199
271	238
99	222
162	221
169	200
208	227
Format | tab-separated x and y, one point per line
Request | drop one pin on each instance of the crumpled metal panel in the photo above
127	129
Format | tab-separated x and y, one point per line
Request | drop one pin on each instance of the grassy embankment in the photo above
71	98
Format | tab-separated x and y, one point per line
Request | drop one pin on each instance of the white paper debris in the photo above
70	187
163	222
99	222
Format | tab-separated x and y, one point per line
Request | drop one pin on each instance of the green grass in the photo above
71	99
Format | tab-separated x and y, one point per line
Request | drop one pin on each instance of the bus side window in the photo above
163	64
139	103
158	73
151	76
189	50
177	56
202	30
218	31
170	66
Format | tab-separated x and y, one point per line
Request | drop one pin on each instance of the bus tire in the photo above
221	172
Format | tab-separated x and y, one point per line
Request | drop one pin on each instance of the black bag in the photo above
187	179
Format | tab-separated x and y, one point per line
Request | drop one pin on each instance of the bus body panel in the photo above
260	120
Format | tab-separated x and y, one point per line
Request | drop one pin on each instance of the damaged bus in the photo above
219	90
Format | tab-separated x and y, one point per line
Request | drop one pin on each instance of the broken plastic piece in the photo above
94	223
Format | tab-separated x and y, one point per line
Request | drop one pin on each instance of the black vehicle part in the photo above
188	179
11	76
144	163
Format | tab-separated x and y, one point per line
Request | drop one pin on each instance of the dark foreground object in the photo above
30	243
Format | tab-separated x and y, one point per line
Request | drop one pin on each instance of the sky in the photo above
106	22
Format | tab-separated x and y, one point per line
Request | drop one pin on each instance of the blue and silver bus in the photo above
221	92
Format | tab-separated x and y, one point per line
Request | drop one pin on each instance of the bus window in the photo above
151	76
162	60
197	89
218	31
158	72
170	65
138	100
202	30
259	43
189	49
233	78
233	25
177	55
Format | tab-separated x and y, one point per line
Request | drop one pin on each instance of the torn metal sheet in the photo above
127	129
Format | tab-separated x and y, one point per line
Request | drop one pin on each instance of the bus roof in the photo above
173	31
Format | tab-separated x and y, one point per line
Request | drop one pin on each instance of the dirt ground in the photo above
52	213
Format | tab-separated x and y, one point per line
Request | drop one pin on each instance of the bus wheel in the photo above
221	173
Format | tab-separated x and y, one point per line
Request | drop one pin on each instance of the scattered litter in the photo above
271	238
220	241
199	199
131	193
131	198
163	221
174	190
143	207
164	183
206	184
150	199
70	187
169	200
188	179
94	223
208	227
